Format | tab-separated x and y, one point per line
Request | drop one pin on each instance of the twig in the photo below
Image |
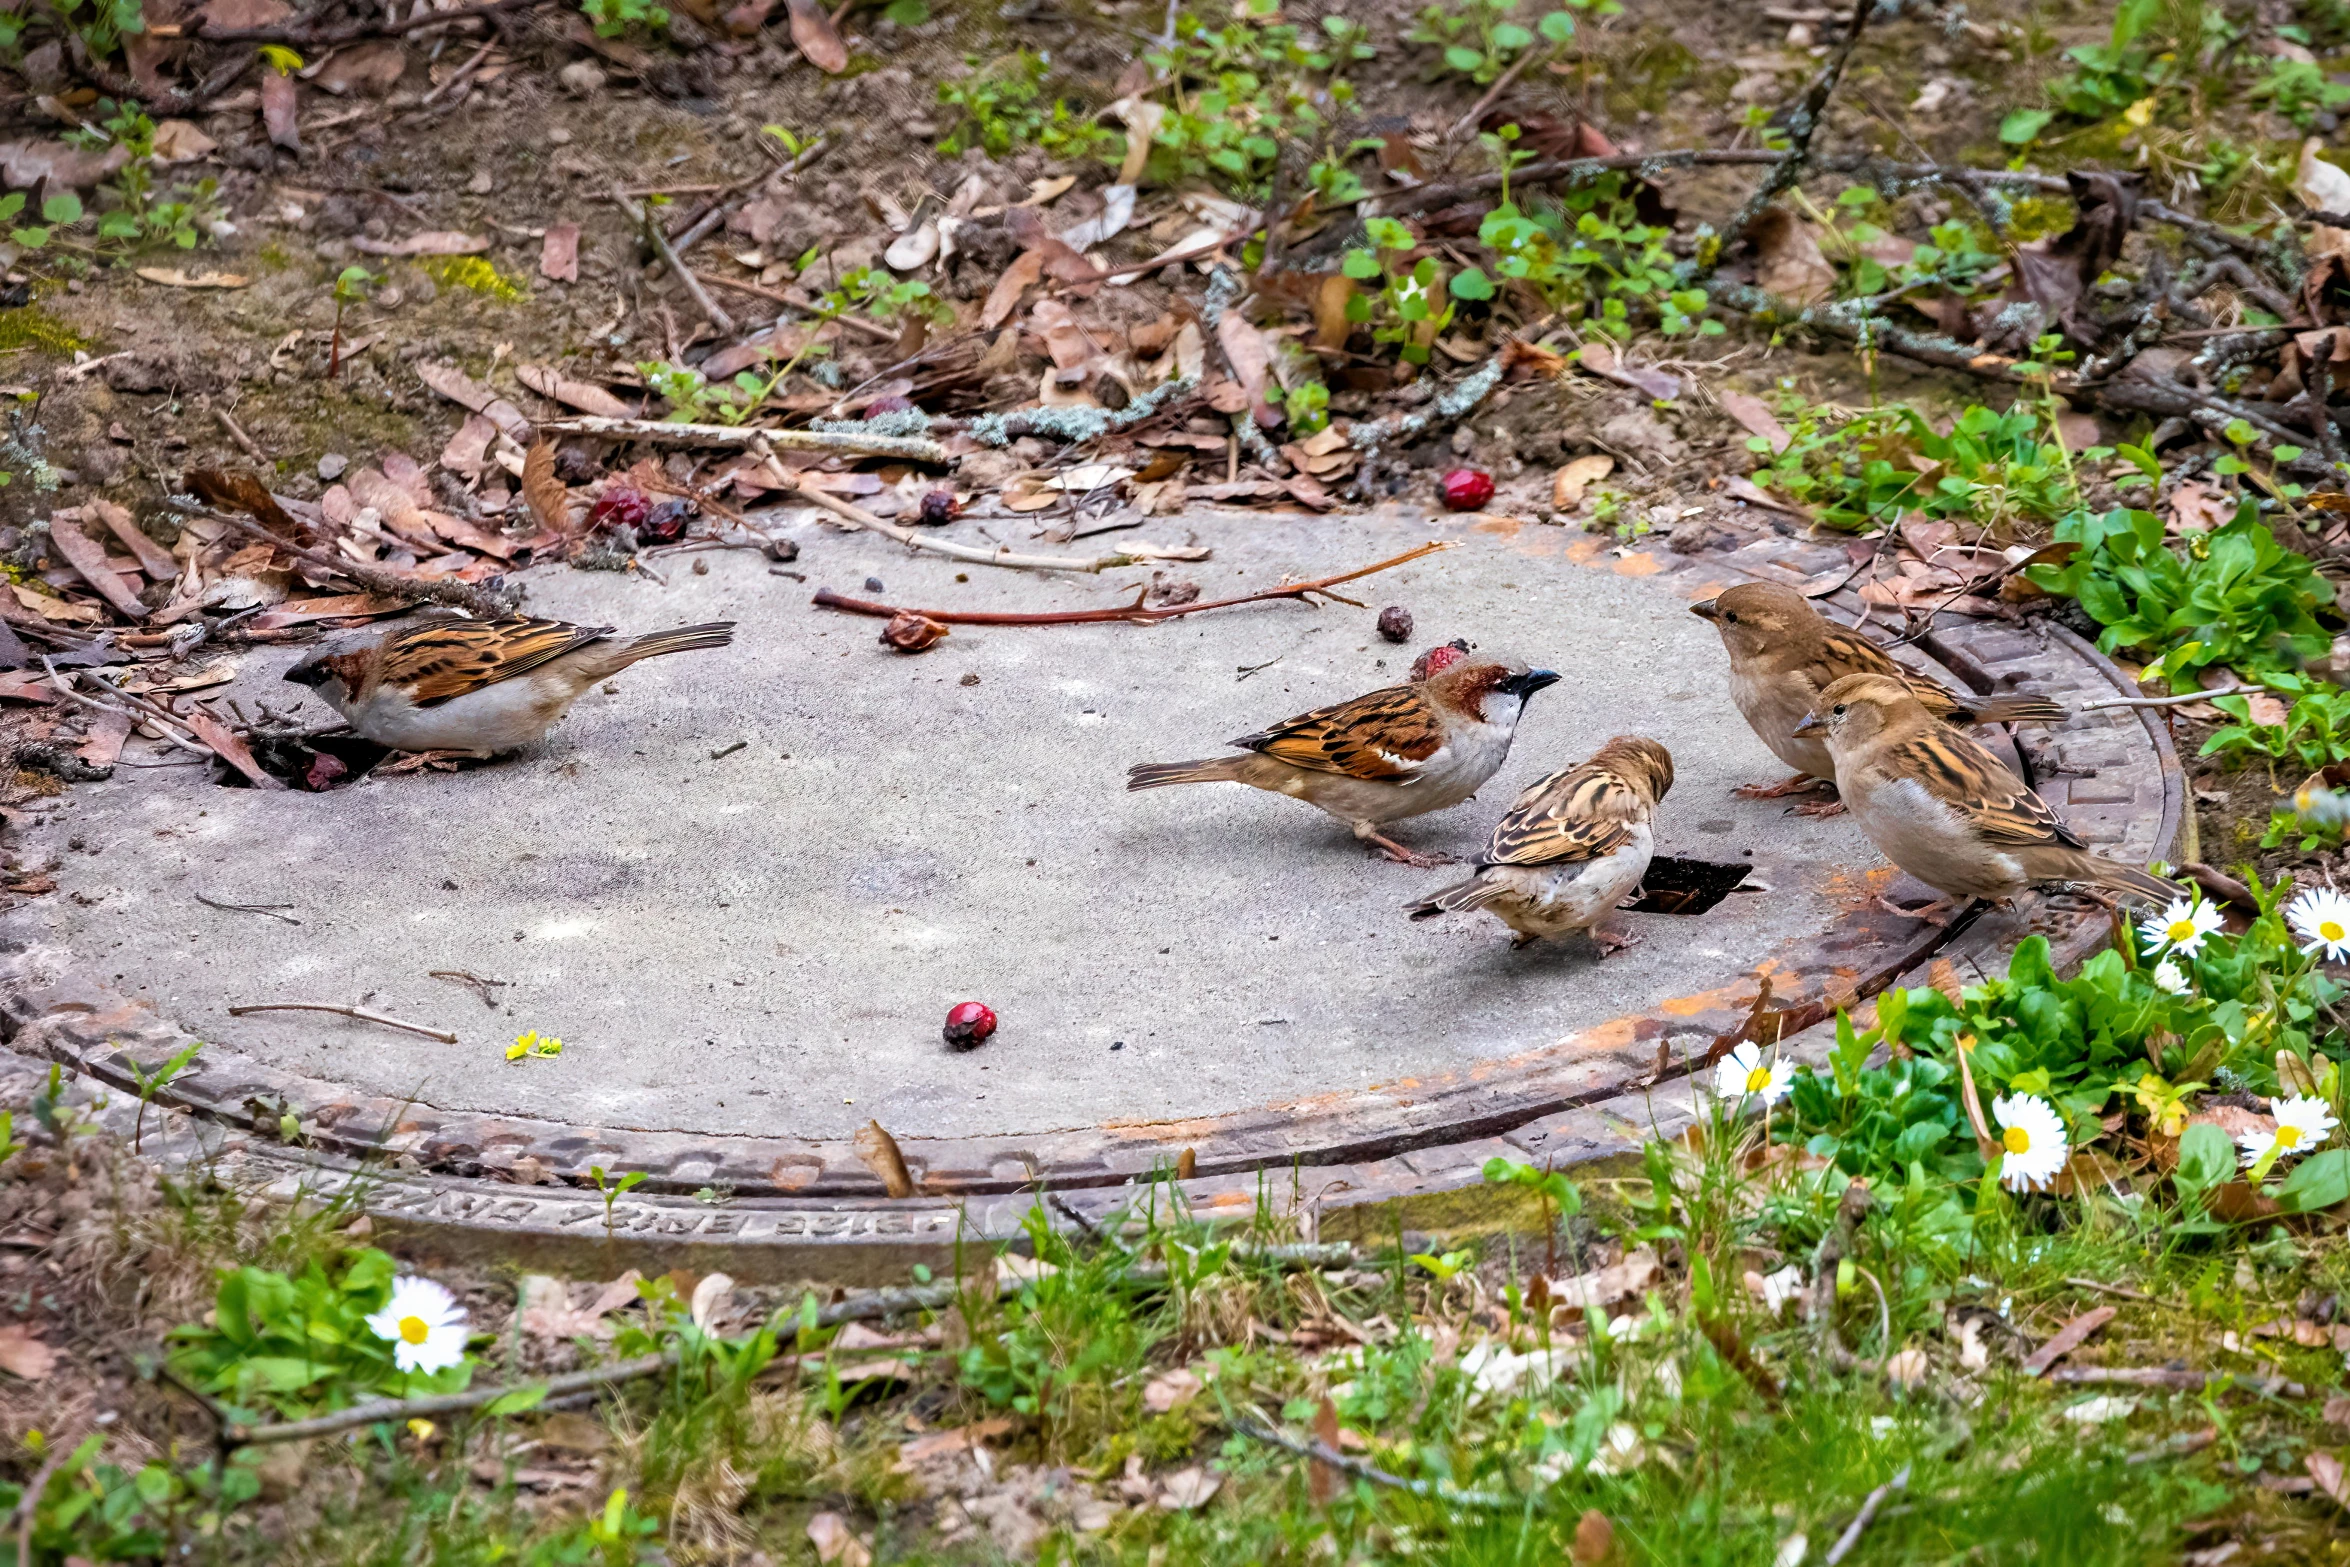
350	32
28	1505
2321	391
2112	1289
908	448
237	433
2166	1377
481	986
864	519
1868	1512
1323	1452
659	240
462	595
361	1013
2168	701
872	329
464	73
827	599
269	910
1501	84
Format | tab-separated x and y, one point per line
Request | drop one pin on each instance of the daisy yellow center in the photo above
2017	1140
1758	1079
2287	1135
2331	930
2181	930
415	1329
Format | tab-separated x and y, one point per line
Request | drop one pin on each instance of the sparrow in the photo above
1570	850
1400	751
1784	653
1943	808
476	687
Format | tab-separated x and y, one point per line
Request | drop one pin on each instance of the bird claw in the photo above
1936	913
1398	853
422	761
1801	783
1611	942
1818	810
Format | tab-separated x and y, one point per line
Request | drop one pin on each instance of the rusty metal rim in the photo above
46	1009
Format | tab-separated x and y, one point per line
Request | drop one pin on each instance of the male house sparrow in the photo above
1945	809
1570	849
1397	752
477	687
1784	653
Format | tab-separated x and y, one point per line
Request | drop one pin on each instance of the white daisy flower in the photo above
2167	976
1743	1071
2304	1122
2182	927
2033	1135
2321	918
424	1323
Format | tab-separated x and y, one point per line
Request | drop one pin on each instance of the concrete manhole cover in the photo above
745	888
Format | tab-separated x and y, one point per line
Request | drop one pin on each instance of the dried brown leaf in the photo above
1595	1539
1788	262
432	242
559	253
1566	489
549	501
225	490
281	110
880	1152
23	1355
585	396
1026	270
815	36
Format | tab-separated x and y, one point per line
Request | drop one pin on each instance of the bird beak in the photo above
1533	680
310	672
1812	724
1707	609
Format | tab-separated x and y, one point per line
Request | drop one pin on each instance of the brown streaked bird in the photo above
1400	751
1938	804
1570	850
1784	653
477	687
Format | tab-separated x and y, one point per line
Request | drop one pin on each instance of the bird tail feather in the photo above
2128	878
2014	710
685	639
1460	897
1160	775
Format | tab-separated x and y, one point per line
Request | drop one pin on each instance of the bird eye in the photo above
1837	711
1731	617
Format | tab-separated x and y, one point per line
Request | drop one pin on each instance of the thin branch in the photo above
2168	701
350	32
361	1013
1803	124
461	595
268	909
1323	1452
1501	84
2186	1381
872	329
908	448
864	519
827	599
659	239
1867	1515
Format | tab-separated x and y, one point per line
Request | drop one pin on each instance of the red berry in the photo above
968	1026
326	771
664	523
620	506
1395	623
939	508
1466	489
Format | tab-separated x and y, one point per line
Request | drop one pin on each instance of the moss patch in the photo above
33	327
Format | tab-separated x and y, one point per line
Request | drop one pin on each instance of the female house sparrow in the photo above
477	687
1784	653
1945	809
1571	849
1397	752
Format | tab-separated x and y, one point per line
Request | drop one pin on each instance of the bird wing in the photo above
440	660
1389	734
1955	769
1844	652
1578	813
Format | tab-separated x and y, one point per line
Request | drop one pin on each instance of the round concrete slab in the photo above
744	887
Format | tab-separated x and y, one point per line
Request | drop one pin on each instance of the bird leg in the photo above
436	761
1936	913
1819	809
1611	942
1801	783
1369	833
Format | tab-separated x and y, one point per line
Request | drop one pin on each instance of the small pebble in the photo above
873	585
970	680
331	466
